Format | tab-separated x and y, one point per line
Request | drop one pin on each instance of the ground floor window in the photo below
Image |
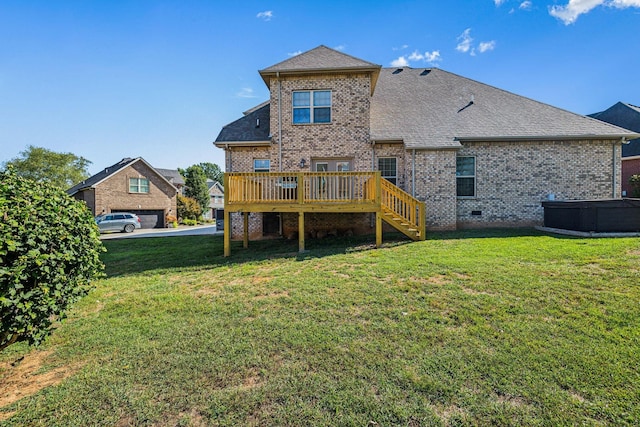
388	169
465	176
261	165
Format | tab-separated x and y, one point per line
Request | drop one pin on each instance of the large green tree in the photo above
39	164
212	171
195	182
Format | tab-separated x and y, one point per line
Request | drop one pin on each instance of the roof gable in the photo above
321	60
108	172
253	127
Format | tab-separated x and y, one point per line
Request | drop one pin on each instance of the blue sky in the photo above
158	79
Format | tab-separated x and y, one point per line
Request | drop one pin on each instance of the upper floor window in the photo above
312	106
388	169
466	176
138	185
261	165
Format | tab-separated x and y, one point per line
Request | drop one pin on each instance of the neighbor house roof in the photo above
435	109
626	116
172	175
107	172
321	60
253	129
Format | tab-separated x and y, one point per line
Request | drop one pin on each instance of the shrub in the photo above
171	221
635	185
49	254
188	208
189	221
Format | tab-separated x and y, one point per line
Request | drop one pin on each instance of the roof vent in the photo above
257	122
397	71
425	72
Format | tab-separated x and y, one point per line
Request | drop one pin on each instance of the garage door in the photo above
149	218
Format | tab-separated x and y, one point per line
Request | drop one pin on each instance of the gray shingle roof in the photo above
626	116
436	109
321	59
100	176
171	175
254	126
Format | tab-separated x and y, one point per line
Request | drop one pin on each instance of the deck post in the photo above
300	231
245	242
378	229
227	233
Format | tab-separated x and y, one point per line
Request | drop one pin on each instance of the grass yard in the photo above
507	327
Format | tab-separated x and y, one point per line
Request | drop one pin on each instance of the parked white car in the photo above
120	221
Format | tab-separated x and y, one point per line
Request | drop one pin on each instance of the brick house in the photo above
628	117
131	185
476	155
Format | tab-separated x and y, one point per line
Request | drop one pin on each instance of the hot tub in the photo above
601	216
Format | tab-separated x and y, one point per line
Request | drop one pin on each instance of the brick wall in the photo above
630	167
513	178
436	186
113	193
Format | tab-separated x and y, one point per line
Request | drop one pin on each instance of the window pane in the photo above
322	115
133	185
144	185
261	165
465	166
322	98
301	99
301	115
387	166
465	187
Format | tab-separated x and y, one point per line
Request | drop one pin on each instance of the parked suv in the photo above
118	221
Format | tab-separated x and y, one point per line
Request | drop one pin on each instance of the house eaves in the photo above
623	137
227	144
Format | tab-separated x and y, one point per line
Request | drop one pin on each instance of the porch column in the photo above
245	242
378	229
227	233
300	231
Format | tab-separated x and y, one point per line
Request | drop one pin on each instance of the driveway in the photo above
183	230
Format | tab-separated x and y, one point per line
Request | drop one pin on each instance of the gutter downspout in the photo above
614	178
413	172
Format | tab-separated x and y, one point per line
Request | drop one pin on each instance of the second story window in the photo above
312	106
138	185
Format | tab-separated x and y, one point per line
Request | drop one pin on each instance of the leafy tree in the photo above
188	208
212	171
63	170
196	186
49	254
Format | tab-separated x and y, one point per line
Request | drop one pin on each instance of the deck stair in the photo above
402	211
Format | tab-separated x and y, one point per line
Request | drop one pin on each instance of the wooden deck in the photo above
302	192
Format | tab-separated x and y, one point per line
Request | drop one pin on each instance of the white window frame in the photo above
394	177
474	176
311	107
136	187
257	169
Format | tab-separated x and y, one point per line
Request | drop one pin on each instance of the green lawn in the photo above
507	327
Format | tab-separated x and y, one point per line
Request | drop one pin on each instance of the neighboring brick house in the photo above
174	177
478	156
131	185
216	198
628	117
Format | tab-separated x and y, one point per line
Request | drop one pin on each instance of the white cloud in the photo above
400	62
340	47
498	2
465	41
296	53
526	5
403	47
246	92
487	46
570	13
427	57
266	15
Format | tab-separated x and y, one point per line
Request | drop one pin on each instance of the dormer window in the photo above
312	106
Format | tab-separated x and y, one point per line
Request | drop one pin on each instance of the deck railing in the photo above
406	209
300	187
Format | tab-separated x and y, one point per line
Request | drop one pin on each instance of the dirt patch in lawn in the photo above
25	377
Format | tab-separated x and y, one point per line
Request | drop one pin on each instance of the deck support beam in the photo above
378	229
245	241
227	234
300	231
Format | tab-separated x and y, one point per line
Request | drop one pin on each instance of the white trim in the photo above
631	158
311	107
